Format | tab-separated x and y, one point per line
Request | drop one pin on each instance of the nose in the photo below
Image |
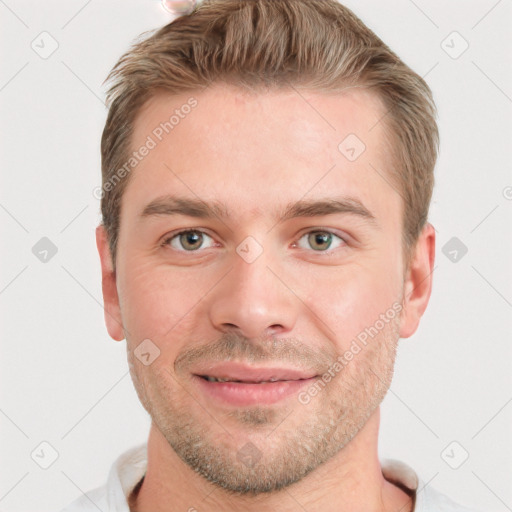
253	299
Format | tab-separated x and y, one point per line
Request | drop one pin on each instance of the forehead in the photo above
318	118
255	149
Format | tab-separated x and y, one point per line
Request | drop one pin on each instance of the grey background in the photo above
65	382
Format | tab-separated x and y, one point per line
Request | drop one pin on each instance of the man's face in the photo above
249	295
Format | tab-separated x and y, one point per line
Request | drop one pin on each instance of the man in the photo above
267	173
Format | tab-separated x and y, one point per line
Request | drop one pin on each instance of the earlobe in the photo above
111	307
418	282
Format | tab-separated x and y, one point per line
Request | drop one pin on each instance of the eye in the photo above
188	240
191	240
321	241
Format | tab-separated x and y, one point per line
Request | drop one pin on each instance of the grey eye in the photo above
321	241
189	241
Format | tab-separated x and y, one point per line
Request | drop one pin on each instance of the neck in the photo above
352	480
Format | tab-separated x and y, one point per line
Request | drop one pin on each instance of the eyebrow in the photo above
170	205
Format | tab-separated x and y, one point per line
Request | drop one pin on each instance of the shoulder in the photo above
125	473
90	501
427	498
431	500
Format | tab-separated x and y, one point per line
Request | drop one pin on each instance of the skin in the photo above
256	153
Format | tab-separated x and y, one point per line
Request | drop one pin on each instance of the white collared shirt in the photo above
130	467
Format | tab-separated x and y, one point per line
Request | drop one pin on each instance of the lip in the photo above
251	391
246	373
243	394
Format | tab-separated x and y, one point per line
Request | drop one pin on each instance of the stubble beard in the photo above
287	443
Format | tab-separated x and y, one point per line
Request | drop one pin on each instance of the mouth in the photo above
232	371
243	385
229	379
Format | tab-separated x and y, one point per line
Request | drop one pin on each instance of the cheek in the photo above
159	302
354	297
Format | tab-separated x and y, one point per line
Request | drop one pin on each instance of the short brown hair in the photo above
315	44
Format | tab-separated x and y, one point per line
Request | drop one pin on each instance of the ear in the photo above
418	281
111	307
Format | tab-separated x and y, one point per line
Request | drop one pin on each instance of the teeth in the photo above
215	379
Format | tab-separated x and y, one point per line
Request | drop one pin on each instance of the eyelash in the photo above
167	240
